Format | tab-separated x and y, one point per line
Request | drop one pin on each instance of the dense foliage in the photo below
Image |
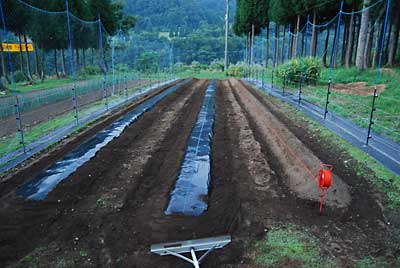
44	23
181	16
195	28
308	70
360	37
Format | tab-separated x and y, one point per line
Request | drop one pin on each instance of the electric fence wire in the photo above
326	24
364	9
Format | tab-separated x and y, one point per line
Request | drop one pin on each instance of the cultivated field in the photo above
109	212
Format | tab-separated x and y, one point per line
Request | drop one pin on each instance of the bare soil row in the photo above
111	210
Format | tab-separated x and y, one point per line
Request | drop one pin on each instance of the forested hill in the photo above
177	15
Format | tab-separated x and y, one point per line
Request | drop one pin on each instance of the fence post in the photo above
288	47
171	59
72	62
284	85
16	105
305	53
373	109
113	68
333	60
272	77
262	78
103	63
126	86
273	59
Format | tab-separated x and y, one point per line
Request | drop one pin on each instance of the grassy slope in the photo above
358	108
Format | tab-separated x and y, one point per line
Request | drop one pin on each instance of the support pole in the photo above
262	78
288	47
16	105
333	59
194	258
171	59
113	68
272	76
126	86
378	72
252	53
105	97
305	53
284	85
226	36
103	63
274	48
72	63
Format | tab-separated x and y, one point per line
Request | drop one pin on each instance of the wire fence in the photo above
57	68
368	97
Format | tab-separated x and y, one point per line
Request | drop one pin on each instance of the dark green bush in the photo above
91	70
308	69
217	65
19	76
237	70
196	66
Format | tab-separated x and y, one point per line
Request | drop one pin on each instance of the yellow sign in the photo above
16	47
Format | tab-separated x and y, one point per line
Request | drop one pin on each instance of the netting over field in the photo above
313	61
58	69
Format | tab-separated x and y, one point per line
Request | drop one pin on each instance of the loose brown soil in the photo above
109	212
357	88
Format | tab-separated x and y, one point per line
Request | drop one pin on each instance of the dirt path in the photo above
111	210
346	233
300	165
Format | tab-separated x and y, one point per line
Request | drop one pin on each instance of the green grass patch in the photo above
289	247
53	83
293	247
352	106
10	144
47	84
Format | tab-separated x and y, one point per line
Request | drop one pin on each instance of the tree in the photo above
350	38
127	23
249	13
362	38
396	29
17	20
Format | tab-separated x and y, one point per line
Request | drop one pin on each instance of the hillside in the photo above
177	15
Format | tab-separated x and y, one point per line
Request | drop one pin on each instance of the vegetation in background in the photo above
355	44
177	16
49	36
353	103
307	70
